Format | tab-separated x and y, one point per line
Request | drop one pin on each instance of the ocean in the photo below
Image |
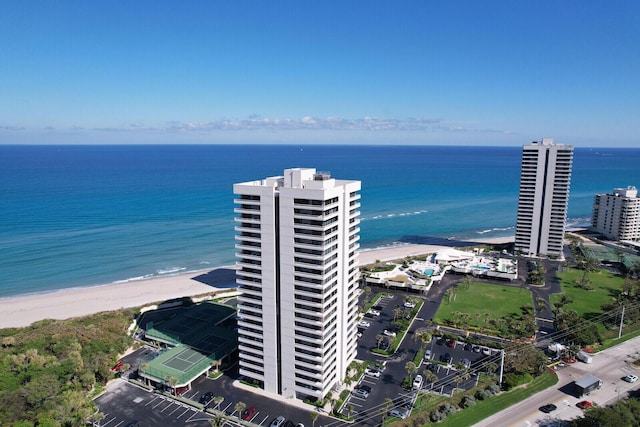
86	215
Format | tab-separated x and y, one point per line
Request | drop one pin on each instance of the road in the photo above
609	365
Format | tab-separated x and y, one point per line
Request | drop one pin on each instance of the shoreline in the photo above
23	310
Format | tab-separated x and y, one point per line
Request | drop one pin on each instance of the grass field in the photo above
483	298
488	407
605	284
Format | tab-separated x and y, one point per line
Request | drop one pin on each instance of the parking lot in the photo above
126	403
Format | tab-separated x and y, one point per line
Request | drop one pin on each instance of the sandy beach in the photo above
24	310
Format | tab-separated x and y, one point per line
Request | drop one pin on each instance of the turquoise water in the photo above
85	215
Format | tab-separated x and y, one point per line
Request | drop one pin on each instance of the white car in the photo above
374	312
410	304
417	382
389	333
486	351
630	378
401	413
373	372
364	324
427	355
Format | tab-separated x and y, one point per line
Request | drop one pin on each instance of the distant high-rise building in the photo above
617	215
297	241
544	195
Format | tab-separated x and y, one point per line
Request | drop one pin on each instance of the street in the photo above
609	365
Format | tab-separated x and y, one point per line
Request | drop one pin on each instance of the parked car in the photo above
427	355
410	304
486	351
361	393
373	372
389	332
401	413
451	343
206	398
476	349
468	346
249	413
630	378
374	312
466	362
584	404
446	358
117	367
364	324
417	382
550	407
278	421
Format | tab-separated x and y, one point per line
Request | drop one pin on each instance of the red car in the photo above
584	404
249	413
117	366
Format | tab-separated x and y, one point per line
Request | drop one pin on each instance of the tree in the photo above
218	420
541	304
430	376
466	282
171	381
314	417
218	400
239	407
379	339
367	292
216	364
349	409
411	369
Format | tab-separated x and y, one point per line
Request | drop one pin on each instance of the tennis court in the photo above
198	343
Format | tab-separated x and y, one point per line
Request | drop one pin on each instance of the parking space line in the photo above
264	419
185	411
177	407
105	424
152	400
168	406
227	407
161	402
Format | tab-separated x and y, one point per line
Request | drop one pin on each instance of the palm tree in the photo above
349	409
466	282
216	364
541	304
491	367
171	381
430	376
218	400
411	369
367	292
314	418
239	407
218	420
379	339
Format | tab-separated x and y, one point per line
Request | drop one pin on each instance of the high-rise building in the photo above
545	177
297	241
617	215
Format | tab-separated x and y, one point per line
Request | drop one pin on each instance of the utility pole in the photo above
621	322
501	366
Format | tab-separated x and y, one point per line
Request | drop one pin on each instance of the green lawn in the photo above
496	300
488	407
605	286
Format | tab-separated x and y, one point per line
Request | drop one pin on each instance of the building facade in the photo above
616	216
545	178
297	241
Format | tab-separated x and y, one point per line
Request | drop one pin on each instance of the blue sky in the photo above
370	72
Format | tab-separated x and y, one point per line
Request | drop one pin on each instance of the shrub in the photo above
449	409
494	389
467	401
437	416
483	394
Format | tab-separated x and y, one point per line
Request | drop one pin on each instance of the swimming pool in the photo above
480	267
